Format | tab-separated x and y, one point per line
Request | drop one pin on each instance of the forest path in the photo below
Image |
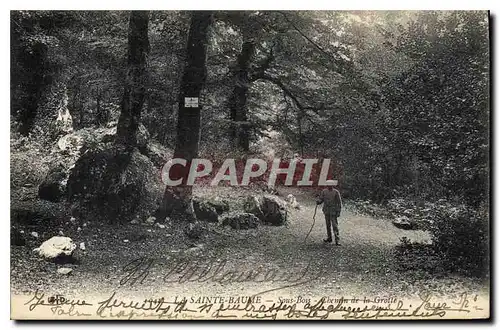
286	265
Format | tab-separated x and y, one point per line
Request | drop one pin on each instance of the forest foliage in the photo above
400	100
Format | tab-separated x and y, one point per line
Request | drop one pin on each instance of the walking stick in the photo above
314	221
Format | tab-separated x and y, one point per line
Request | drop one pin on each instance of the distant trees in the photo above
439	118
69	61
38	75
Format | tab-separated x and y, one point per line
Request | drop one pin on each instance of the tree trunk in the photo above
135	85
76	107
188	122
300	138
98	110
238	100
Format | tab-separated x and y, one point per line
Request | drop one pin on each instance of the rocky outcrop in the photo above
53	187
252	205
205	211
274	210
111	185
269	209
220	205
404	222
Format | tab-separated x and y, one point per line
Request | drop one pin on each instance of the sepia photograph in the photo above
250	165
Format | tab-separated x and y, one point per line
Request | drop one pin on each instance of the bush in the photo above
461	236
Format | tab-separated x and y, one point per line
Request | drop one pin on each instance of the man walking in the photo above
332	205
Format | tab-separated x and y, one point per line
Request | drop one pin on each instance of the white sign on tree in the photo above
191	102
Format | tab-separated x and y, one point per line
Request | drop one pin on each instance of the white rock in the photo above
85	224
64	270
292	201
159	225
126	241
134	222
34	234
151	220
78	228
61	233
72	220
70	141
55	247
21	231
82	246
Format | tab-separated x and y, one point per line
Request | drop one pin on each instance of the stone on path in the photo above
205	211
56	247
404	222
64	270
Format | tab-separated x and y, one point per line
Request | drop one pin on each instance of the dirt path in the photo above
365	264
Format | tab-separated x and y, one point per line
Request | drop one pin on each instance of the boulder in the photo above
269	209
404	222
194	230
55	248
114	185
274	210
205	211
252	205
241	221
53	187
220	205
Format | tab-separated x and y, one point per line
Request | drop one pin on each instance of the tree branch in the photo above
318	47
260	70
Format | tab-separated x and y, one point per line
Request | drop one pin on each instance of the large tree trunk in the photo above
188	122
135	85
238	100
